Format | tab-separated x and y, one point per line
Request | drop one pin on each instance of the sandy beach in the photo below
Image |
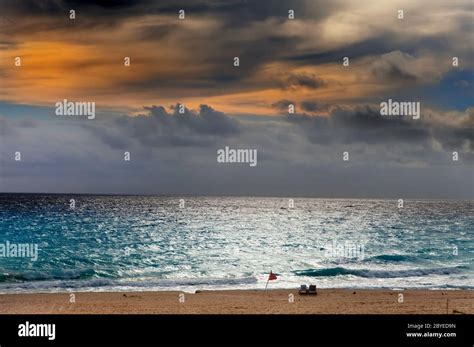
328	301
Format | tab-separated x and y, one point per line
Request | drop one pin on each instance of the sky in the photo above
282	61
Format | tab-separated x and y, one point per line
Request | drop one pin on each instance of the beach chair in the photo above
312	289
303	289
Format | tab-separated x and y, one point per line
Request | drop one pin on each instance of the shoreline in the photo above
244	301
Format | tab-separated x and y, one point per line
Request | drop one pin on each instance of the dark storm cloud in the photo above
359	126
455	138
368	47
206	121
53	7
362	125
365	125
307	106
297	80
159	128
314	106
53	16
238	11
282	105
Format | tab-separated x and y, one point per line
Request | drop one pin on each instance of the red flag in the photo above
272	276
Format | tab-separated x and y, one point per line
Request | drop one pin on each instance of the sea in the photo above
155	243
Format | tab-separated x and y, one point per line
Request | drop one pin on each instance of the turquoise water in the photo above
151	243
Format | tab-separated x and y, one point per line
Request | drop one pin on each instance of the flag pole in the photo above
268	280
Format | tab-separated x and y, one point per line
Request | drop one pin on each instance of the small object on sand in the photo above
303	289
312	289
353	292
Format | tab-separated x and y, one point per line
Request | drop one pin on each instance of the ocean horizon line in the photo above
241	196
